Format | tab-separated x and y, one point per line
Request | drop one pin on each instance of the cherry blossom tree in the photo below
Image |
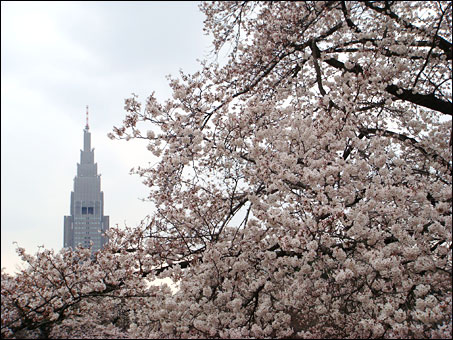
302	188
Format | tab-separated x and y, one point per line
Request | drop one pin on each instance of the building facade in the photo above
86	222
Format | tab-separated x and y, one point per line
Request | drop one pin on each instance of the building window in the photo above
87	211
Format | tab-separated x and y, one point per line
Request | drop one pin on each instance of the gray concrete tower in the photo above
87	221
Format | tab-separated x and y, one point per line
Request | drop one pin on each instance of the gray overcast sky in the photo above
56	58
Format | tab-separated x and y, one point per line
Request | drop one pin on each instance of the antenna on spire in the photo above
87	126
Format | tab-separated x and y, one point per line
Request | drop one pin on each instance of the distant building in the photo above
87	222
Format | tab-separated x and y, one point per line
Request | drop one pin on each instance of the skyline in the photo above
58	57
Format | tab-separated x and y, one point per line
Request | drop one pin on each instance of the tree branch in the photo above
440	42
316	54
427	100
404	138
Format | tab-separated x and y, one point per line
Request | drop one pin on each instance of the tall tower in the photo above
87	222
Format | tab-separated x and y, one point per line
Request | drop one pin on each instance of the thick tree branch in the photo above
349	22
427	100
316	54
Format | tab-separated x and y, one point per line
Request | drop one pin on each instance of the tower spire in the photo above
87	126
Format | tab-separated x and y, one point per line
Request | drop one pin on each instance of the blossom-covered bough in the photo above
302	188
